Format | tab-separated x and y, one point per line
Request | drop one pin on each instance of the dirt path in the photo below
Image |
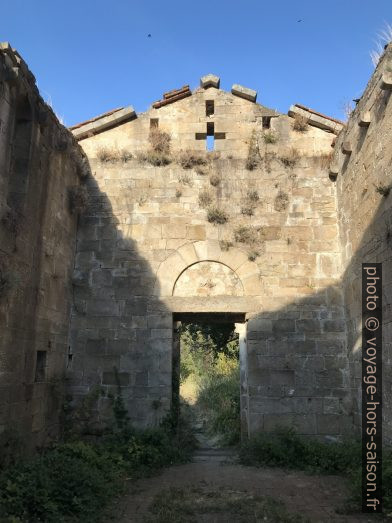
314	497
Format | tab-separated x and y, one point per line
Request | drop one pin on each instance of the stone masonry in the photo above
208	203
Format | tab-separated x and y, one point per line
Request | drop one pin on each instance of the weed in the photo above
185	180
205	198
225	245
156	158
77	199
300	123
248	210
243	234
107	154
217	216
253	255
384	190
125	155
270	137
284	448
189	159
201	170
281	201
160	141
253	158
215	179
252	196
142	199
290	159
193	504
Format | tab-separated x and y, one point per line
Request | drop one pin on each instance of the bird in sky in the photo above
299	20
148	36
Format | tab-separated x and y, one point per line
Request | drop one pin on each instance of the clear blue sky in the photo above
90	56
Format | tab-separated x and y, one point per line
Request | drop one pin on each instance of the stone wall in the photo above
146	249
39	166
362	165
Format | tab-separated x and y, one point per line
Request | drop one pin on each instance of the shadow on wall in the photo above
303	359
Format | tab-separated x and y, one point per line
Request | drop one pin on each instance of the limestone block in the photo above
365	119
347	148
386	81
207	250
244	92
210	80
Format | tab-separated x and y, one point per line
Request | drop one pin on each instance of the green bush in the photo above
285	448
219	397
74	481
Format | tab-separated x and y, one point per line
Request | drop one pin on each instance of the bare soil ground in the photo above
216	474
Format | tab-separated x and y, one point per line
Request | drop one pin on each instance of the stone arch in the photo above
193	253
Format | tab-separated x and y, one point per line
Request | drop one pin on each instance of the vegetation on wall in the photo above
217	215
300	123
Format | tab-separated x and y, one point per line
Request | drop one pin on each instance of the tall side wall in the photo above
365	218
38	158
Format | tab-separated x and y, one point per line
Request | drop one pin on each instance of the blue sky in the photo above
91	56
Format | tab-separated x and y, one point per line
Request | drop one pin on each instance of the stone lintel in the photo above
316	120
103	123
244	92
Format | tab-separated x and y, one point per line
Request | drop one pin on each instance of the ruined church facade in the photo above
208	205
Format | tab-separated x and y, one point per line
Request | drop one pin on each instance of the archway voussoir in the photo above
233	258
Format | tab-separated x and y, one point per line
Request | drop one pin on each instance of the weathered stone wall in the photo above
146	250
38	167
365	218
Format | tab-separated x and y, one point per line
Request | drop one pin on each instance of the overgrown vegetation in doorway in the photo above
210	380
74	480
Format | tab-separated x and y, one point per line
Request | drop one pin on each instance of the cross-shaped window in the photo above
210	136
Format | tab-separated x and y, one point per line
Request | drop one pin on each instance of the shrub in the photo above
77	199
253	255
290	159
215	179
252	196
205	198
270	137
285	448
225	245
281	201
300	123
243	234
248	210
156	158
185	180
217	216
178	193
253	158
160	141
188	159
107	154
125	155
74	481
219	397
